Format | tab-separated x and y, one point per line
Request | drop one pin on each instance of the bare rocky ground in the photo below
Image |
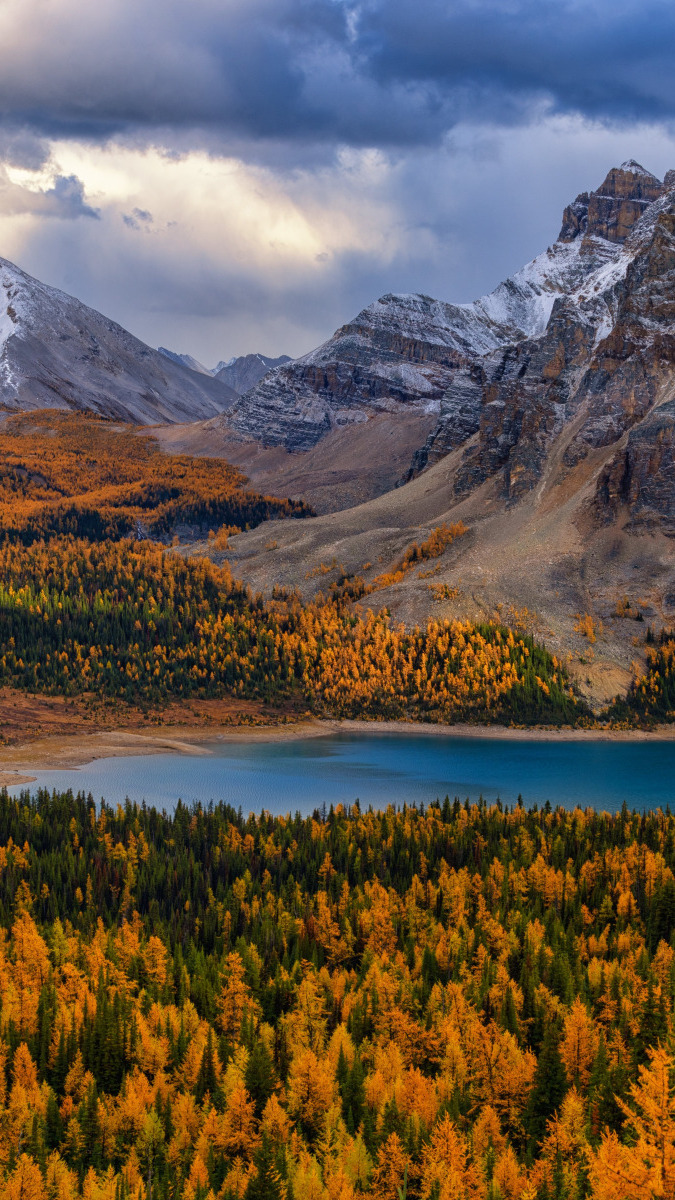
349	466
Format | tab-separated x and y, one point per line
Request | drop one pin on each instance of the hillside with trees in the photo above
129	621
90	477
443	1003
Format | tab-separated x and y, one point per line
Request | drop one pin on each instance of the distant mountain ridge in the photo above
56	352
239	373
247	370
186	360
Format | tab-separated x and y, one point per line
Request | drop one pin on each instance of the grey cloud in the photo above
137	218
599	59
22	147
370	72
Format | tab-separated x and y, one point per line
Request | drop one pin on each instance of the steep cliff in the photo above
600	365
553	441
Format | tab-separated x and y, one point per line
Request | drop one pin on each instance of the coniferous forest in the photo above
452	1002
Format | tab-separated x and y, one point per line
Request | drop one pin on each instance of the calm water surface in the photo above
381	769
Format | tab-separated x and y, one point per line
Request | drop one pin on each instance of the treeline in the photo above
81	475
443	1003
124	619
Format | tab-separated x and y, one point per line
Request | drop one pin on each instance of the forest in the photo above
128	621
457	1002
97	600
652	694
81	474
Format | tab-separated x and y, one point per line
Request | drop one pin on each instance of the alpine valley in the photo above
538	421
448	514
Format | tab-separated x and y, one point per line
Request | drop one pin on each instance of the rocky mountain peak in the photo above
630	181
631	164
612	210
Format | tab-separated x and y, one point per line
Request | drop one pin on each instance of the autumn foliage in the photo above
442	1004
80	474
652	695
126	619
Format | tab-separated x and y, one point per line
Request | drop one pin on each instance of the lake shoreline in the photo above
71	751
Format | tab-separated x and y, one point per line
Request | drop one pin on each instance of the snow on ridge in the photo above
519	307
636	168
13	300
525	300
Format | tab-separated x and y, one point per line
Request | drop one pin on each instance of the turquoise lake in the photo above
381	769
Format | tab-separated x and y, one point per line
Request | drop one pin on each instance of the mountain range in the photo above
56	352
239	373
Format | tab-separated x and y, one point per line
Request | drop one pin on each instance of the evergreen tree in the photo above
260	1076
267	1183
207	1080
549	1085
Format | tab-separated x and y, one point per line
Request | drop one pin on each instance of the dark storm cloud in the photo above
601	60
376	72
380	145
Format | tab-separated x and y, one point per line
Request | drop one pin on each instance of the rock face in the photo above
57	353
613	210
641	476
244	372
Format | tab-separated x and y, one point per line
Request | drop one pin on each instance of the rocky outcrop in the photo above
459	417
57	353
402	355
640	479
398	355
567	358
527	398
614	209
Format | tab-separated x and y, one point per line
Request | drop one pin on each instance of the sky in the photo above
230	176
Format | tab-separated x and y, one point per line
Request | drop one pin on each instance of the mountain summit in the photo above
411	354
584	333
612	211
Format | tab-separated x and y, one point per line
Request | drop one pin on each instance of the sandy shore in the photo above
19	763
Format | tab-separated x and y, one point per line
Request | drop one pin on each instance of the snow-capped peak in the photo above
635	168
